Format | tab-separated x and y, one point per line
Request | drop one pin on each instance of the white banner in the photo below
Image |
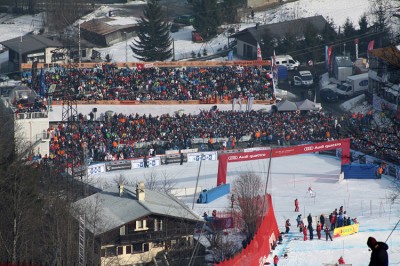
207	156
152	162
96	168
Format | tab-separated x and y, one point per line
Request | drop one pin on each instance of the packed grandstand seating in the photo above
107	82
118	136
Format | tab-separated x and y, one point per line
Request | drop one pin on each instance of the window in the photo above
158	225
128	249
139	224
120	250
137	247
103	252
146	247
110	251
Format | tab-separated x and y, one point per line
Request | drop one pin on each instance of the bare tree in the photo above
247	189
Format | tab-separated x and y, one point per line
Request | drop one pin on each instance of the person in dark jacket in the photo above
311	230
379	255
328	233
322	220
309	219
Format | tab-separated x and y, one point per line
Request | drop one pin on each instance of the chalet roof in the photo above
30	43
343	61
280	29
101	27
114	211
390	55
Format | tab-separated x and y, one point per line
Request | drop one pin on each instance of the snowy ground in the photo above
290	178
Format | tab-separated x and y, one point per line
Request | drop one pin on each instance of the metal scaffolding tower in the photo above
82	252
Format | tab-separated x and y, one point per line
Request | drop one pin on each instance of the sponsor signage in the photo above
314	147
205	156
139	163
118	165
346	230
96	168
253	155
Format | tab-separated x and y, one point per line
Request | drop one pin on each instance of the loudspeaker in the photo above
94	110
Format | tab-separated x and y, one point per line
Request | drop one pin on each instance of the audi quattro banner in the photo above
196	157
346	230
224	159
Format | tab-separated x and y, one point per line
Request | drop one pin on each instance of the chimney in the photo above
121	190
140	191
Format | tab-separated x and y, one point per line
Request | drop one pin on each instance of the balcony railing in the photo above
33	115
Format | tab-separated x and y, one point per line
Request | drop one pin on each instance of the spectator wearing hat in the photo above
379	255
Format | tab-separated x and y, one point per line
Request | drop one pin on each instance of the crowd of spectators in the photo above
117	135
107	82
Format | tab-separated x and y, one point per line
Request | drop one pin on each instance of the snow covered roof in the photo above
100	26
296	26
30	43
390	55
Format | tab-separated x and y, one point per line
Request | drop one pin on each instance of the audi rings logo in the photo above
308	148
231	158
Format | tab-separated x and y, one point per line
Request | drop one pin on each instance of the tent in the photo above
286	105
306	105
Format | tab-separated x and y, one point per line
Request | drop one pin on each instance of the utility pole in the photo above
126	48
20	53
79	44
173	49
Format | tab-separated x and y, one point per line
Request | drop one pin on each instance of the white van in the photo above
288	61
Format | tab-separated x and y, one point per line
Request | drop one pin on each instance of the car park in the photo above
184	19
328	96
4	78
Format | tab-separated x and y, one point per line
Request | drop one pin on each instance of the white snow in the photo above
290	177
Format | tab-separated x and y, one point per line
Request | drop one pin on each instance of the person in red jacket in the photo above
276	259
305	232
319	228
296	205
341	260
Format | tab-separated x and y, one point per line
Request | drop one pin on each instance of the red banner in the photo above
223	159
257	251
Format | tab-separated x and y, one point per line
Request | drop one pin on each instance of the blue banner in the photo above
42	83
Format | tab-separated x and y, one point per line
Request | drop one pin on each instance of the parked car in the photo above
184	19
4	78
328	96
175	27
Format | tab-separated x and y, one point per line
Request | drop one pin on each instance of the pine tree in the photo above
363	24
207	17
348	29
153	32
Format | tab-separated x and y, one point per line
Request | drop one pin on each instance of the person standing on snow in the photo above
379	255
298	220
311	230
322	220
305	233
319	228
276	259
341	260
309	219
287	225
296	205
328	233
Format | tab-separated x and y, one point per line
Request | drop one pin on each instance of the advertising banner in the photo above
196	157
96	168
118	165
223	159
346	230
152	162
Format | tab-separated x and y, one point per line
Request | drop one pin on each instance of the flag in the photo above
370	47
329	57
140	66
274	74
42	83
259	57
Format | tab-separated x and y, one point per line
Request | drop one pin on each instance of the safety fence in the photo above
257	250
